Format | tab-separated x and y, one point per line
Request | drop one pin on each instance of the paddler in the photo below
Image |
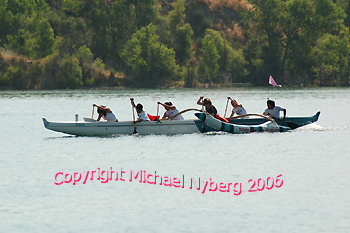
274	111
105	113
237	108
142	115
208	106
171	110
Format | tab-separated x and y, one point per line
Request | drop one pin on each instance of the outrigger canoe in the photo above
269	126
90	127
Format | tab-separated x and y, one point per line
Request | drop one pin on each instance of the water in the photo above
313	162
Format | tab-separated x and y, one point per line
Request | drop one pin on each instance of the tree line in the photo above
93	43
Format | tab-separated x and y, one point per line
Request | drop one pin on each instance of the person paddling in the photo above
208	106
237	108
142	115
171	110
274	111
105	113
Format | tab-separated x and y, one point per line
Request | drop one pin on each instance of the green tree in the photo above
210	60
6	19
69	74
85	57
72	7
35	40
15	77
123	25
303	23
236	65
330	58
145	11
230	62
112	23
44	39
102	40
266	17
34	36
255	63
151	62
181	33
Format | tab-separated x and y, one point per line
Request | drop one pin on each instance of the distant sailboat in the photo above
273	83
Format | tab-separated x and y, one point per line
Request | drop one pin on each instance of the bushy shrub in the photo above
69	74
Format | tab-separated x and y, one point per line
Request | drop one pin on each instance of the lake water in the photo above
312	161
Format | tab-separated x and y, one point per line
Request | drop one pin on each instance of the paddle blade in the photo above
292	125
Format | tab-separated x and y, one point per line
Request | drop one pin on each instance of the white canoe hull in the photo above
84	128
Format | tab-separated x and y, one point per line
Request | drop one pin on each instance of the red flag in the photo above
272	82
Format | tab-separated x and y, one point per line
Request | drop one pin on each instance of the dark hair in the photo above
207	101
271	102
168	103
99	111
139	106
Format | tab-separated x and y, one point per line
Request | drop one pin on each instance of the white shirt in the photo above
275	112
110	117
240	111
171	113
142	115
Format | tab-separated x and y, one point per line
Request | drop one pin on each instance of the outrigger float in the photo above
269	126
205	123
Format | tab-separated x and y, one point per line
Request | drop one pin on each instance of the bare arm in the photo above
99	117
229	98
138	120
233	113
200	100
284	114
99	106
164	116
167	107
132	102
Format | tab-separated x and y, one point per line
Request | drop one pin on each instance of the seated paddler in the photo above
171	111
209	108
274	111
105	113
237	108
142	115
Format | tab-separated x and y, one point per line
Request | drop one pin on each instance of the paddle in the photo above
133	116
93	108
183	111
253	114
203	104
226	108
291	124
157	110
203	130
288	123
